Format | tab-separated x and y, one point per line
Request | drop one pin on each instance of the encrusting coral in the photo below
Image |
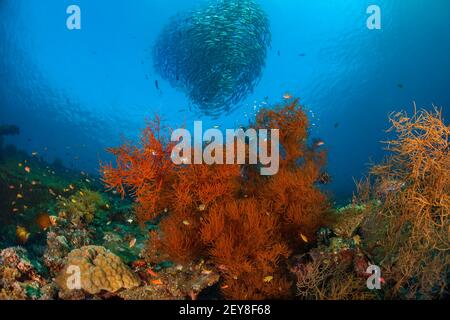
100	270
246	224
407	227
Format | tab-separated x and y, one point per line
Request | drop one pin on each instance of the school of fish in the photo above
216	54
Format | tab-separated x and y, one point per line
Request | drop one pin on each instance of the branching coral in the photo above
409	227
325	280
144	172
81	207
246	224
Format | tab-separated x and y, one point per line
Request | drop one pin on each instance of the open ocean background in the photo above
74	93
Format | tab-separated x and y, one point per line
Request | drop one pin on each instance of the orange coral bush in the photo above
292	194
408	230
145	172
245	223
246	243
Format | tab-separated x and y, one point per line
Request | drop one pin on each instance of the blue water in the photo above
74	93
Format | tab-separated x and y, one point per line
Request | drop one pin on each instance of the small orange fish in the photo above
186	223
287	96
43	221
152	273
304	238
224	287
27	169
206	271
19	196
139	263
22	234
157	282
132	242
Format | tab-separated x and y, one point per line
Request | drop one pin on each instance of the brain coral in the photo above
100	269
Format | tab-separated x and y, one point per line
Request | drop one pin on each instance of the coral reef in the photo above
58	247
407	224
226	231
51	231
100	270
174	282
245	224
19	279
30	190
330	274
336	269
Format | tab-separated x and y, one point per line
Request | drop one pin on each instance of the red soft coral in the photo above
247	224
